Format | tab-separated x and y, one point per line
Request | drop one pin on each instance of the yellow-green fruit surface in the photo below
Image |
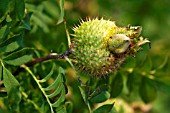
90	46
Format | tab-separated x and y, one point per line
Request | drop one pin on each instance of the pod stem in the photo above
42	59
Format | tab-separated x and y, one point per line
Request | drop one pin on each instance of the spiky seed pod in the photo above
99	46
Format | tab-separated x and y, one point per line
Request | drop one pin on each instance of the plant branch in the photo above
44	58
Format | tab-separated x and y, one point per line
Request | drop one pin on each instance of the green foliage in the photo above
32	29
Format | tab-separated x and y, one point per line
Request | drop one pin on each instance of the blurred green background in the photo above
152	15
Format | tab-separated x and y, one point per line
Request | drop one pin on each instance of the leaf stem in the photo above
89	108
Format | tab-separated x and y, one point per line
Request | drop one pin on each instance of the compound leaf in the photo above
2	31
84	95
3	8
12	88
103	96
19	57
57	91
26	22
60	99
11	44
116	85
55	83
147	90
107	108
48	76
57	86
61	4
